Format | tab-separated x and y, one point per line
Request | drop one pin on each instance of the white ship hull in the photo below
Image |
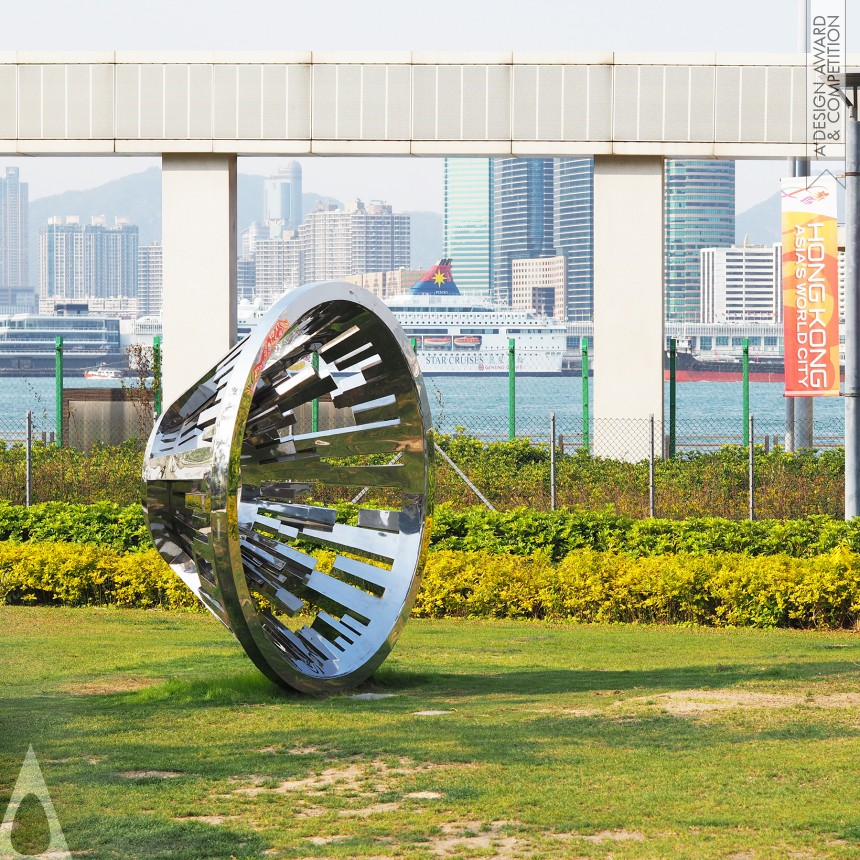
488	354
484	361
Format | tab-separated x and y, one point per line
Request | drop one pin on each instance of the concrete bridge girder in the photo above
200	111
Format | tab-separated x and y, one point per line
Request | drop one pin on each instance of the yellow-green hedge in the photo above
719	589
77	575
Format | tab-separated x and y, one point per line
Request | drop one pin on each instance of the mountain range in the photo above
139	197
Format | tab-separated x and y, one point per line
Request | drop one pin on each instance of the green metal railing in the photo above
586	439
673	383
156	375
512	389
58	376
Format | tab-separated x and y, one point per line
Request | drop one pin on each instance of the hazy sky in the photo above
369	25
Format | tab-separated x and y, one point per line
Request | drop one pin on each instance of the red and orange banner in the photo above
810	292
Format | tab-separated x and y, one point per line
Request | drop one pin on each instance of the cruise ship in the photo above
463	334
27	344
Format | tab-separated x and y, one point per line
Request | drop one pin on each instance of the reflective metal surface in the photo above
316	595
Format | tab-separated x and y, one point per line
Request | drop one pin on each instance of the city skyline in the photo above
525	216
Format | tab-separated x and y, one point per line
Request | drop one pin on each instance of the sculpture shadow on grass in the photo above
156	839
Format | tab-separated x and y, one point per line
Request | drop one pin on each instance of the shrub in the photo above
721	589
510	474
694	484
106	472
587	586
102	524
522	531
75	575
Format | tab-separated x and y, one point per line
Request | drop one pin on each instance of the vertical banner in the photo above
810	292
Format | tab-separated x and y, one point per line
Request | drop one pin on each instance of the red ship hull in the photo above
728	375
725	375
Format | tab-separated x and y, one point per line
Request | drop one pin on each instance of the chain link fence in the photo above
699	465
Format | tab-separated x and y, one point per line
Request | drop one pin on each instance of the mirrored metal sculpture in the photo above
241	490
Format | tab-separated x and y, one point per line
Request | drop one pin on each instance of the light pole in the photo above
851	82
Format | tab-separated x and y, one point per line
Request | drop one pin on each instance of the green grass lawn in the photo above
158	739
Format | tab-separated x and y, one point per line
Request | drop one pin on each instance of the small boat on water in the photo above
467	341
103	372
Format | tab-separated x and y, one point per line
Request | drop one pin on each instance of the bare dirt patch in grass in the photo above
325	840
568	712
150	774
608	836
367	811
359	778
113	684
93	760
215	820
311	812
693	702
462	836
278	749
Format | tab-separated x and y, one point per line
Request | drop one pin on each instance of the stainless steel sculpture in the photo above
230	470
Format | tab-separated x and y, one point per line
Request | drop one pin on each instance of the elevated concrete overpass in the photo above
199	111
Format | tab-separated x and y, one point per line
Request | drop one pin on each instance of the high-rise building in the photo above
326	244
362	238
699	209
110	264
385	284
61	261
744	284
573	231
277	266
468	223
741	284
95	263
522	216
246	278
530	208
15	287
250	236
538	285
282	199
150	281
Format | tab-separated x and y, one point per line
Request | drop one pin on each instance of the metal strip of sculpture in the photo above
231	468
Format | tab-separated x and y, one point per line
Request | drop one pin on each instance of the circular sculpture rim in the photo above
229	468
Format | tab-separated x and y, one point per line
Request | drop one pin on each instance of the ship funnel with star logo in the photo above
258	481
436	281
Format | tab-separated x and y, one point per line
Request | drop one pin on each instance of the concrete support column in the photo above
199	239
628	305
